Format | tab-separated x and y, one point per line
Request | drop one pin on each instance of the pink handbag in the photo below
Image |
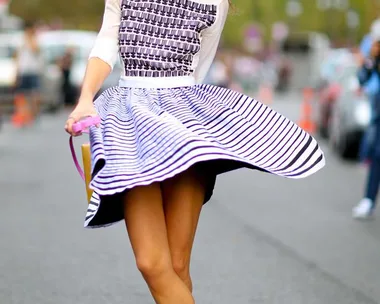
85	173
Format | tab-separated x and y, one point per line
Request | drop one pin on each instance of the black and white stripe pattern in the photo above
159	38
149	135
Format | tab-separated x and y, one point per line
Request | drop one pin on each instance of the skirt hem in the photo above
235	164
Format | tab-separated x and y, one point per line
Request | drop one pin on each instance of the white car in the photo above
55	43
351	115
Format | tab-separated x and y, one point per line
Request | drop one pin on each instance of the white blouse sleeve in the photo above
210	42
106	45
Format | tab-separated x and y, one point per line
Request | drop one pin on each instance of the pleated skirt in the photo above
149	135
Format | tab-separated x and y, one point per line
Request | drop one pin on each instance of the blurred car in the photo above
350	116
337	63
55	44
7	76
51	77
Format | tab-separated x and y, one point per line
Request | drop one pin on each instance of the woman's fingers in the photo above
69	125
73	118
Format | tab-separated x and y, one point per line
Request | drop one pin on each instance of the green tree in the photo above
87	14
81	14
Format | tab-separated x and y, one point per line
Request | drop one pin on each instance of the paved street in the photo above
262	239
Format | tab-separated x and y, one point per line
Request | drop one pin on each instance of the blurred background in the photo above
262	239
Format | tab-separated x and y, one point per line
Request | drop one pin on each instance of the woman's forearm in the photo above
96	73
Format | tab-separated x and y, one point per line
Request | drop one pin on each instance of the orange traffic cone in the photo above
306	121
22	115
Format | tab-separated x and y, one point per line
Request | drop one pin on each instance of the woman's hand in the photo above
84	108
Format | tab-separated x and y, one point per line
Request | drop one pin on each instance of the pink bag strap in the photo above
75	159
81	126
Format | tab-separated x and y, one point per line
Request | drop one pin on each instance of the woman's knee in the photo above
181	265
151	265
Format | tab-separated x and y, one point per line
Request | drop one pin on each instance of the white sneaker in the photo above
363	210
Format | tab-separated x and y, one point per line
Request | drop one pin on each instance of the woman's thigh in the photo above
145	222
183	197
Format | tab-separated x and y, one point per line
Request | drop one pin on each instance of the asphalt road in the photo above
262	239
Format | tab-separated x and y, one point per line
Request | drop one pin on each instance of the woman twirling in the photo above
164	136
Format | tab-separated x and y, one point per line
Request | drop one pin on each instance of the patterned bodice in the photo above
159	38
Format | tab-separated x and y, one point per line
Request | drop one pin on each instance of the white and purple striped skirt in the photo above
150	133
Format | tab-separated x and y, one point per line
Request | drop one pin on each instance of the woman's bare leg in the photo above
145	221
183	200
36	104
